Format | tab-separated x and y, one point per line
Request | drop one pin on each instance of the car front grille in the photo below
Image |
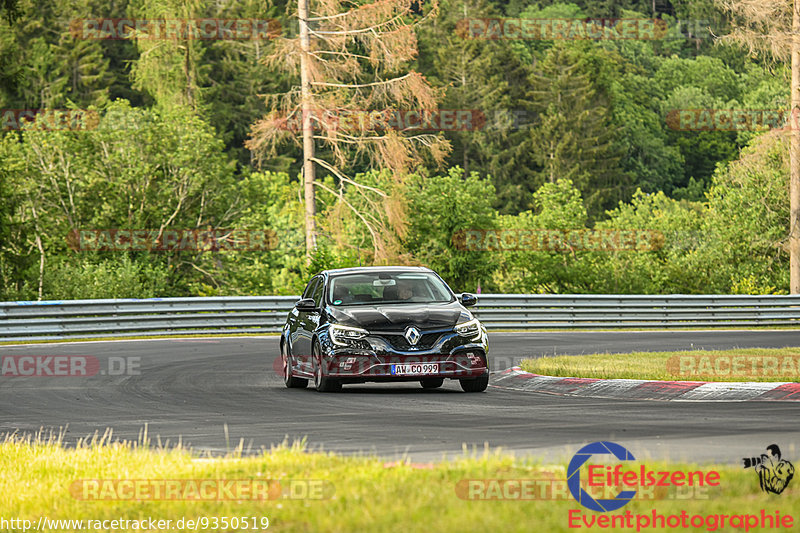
399	342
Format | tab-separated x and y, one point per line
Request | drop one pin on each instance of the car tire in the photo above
431	383
475	384
289	380
322	383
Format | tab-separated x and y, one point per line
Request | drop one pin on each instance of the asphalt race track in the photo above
190	389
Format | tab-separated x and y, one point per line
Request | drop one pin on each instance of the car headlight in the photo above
341	334
469	329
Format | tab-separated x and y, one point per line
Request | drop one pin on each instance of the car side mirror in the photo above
468	300
306	304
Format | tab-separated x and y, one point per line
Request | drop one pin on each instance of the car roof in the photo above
372	269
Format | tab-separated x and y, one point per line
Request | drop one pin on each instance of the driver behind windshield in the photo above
404	290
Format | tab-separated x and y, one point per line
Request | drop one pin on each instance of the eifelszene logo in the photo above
574	476
774	473
632	477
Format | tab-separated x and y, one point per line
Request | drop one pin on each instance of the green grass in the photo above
697	365
367	494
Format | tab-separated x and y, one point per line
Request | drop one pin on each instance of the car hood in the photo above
398	316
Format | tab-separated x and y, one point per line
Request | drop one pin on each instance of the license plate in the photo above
415	369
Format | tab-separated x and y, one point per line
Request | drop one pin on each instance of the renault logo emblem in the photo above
412	335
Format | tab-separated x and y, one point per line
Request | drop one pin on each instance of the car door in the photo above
303	329
312	318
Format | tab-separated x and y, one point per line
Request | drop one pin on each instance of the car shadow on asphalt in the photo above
395	390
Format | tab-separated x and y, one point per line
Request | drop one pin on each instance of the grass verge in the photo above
751	364
364	493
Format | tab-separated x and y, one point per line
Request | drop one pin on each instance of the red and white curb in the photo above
637	389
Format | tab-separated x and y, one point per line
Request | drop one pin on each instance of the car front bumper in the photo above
372	358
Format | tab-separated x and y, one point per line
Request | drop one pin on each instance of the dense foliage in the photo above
576	136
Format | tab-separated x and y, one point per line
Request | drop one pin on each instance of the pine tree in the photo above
573	136
483	76
772	28
169	69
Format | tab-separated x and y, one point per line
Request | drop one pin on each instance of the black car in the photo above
355	325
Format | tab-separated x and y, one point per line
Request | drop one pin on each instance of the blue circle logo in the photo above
574	476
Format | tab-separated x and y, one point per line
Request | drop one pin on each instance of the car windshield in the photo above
388	288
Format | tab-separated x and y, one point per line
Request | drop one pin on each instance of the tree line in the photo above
572	134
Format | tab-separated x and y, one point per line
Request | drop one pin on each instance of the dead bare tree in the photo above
351	59
772	28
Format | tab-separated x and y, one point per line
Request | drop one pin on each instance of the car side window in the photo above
316	293
311	287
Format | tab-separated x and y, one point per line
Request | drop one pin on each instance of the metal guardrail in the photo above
266	314
145	317
563	311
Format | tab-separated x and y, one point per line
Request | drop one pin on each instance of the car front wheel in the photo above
321	382
288	379
432	383
475	384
